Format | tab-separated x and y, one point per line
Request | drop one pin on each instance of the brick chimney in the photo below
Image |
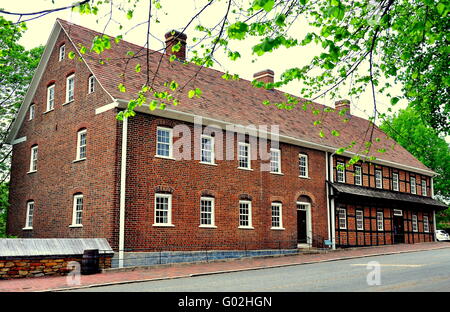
265	76
172	38
341	105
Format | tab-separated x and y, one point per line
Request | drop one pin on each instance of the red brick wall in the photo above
58	177
188	178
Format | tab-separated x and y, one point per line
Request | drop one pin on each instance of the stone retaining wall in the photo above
34	267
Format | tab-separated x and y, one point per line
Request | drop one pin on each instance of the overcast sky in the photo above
178	15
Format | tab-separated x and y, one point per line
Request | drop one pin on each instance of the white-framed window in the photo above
342	215
275	160
207	149
380	221
77	217
91	84
33	158
32	111
245	214
163	209
395	181
358	175
277	216
30	214
340	172
50	97
70	88
359	220
62	52
378	179
244	155
413	185
426	224
414	223
207	212
81	144
303	165
424	187
164	144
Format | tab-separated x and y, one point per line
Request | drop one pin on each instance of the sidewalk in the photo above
119	276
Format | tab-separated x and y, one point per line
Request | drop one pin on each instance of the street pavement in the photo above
308	277
418	271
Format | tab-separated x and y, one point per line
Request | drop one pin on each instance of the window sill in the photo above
277	228
27	228
76	226
207	226
68	102
305	177
162	225
277	173
247	169
78	160
165	157
51	110
207	163
246	227
30	172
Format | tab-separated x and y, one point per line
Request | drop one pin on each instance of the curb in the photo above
239	270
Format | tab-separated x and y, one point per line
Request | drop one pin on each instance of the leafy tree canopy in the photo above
426	145
17	67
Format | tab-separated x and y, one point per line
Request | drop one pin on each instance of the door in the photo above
399	232
301	227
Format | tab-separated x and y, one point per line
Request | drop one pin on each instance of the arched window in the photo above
91	84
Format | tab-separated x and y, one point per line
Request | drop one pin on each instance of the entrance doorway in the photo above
399	232
304	228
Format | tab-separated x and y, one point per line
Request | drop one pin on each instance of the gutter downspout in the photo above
434	210
333	217
327	174
123	172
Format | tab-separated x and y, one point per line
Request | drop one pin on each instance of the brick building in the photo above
79	172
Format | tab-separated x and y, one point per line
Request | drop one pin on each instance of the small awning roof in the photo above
386	195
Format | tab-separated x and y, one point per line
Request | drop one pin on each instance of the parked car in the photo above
441	235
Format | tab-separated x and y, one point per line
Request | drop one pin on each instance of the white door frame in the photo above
308	221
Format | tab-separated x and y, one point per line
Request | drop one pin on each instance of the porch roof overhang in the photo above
361	191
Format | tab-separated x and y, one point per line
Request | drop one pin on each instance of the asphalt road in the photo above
415	271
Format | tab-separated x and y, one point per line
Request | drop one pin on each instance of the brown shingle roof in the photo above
232	101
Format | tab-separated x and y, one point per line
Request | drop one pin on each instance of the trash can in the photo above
90	263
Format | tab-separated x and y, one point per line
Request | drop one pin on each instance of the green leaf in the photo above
121	87
335	133
394	100
137	68
267	5
130	14
237	30
71	55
